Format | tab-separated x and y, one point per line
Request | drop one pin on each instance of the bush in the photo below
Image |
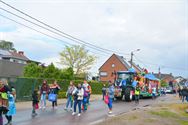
25	87
61	94
163	83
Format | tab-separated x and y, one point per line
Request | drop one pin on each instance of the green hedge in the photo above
25	86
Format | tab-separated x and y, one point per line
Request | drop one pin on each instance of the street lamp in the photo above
132	56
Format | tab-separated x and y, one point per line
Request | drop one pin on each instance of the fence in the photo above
25	86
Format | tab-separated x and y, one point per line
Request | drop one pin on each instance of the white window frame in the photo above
103	74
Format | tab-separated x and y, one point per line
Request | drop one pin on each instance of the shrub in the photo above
25	86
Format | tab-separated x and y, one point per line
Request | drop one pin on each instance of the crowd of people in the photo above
78	96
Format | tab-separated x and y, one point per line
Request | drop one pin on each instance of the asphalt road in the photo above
97	112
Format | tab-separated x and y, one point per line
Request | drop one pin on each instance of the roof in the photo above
120	58
127	65
183	81
178	77
4	52
19	56
164	76
136	66
12	54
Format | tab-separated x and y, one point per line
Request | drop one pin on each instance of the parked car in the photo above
170	90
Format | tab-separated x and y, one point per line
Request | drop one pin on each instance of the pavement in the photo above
97	112
28	104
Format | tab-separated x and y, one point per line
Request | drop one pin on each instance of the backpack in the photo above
85	93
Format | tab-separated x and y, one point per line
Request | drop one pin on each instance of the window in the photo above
113	65
19	61
103	74
11	60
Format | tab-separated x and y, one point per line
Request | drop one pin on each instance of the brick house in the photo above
113	64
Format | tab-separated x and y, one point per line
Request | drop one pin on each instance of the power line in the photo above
164	66
41	32
82	41
140	61
34	29
49	29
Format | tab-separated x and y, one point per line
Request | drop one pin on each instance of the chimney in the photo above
21	52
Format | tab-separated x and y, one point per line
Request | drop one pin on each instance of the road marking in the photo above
96	122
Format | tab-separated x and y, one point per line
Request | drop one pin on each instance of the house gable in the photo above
113	64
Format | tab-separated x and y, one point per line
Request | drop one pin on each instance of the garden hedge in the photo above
25	86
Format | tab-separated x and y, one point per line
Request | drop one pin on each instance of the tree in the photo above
67	73
32	70
51	72
7	45
78	58
163	83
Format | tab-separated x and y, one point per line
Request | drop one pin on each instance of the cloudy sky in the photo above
159	28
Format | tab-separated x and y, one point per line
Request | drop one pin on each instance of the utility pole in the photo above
159	72
132	56
132	59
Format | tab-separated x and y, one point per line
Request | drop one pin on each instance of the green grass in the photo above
183	114
182	122
164	114
164	108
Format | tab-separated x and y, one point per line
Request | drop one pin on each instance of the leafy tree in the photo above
78	58
6	45
163	83
51	72
32	70
67	73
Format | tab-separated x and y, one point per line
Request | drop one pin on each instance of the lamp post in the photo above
132	56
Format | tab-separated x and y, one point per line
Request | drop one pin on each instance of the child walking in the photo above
11	107
110	93
35	101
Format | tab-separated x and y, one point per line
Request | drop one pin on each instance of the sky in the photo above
159	28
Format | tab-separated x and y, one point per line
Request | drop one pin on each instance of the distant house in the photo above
12	63
168	78
115	63
179	79
184	82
